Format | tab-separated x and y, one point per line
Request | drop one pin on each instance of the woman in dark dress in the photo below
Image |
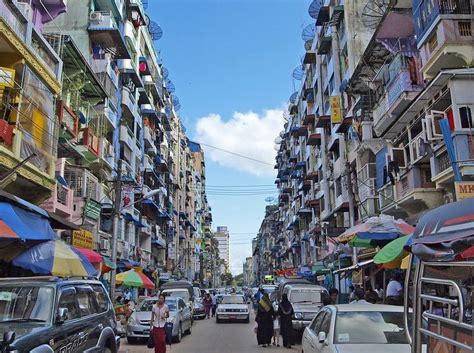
285	311
264	318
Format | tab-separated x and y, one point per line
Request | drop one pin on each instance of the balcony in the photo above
83	182
105	33
426	13
130	103
386	197
16	21
148	163
366	177
68	120
107	152
148	136
314	139
61	201
400	89
127	137
88	144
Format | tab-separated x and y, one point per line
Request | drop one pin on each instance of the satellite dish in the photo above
164	72
314	8
155	31
170	86
373	12
298	73
282	133
175	101
309	32
286	115
307	45
293	97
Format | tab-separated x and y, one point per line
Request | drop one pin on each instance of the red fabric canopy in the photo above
91	255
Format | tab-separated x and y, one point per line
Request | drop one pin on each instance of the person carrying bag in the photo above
160	312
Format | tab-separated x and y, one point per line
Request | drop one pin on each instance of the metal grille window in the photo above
443	162
464	29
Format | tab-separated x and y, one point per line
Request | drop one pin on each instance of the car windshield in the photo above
147	305
369	327
26	304
305	296
232	299
184	294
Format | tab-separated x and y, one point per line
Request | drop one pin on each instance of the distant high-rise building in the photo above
223	237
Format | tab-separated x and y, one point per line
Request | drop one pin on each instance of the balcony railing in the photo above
386	196
83	182
61	201
126	136
107	151
426	12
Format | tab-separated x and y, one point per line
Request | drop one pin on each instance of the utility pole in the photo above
350	192
116	215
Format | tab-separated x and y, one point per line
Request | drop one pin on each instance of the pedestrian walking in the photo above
276	332
264	318
207	305
159	314
285	312
214	303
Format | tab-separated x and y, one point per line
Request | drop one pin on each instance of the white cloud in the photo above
249	134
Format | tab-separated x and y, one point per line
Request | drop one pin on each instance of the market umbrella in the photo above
392	253
91	255
107	265
375	231
445	232
57	258
134	278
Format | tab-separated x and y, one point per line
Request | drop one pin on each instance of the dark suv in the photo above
48	314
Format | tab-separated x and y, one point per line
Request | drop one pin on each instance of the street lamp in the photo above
118	197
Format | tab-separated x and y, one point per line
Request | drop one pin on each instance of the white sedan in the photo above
232	307
356	328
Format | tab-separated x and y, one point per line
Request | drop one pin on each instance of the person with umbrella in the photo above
159	314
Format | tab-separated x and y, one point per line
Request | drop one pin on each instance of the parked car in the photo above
199	311
306	300
48	314
138	326
183	294
232	308
357	328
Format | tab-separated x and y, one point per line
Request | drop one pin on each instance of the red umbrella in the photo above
91	255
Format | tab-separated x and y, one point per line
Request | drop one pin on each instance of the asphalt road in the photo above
209	337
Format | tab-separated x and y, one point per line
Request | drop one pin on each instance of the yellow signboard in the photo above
464	190
336	114
82	239
7	77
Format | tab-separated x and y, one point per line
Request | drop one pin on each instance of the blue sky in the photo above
229	59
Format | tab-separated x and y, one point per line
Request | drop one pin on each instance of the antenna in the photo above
155	30
373	12
293	97
298	73
314	8
164	72
170	87
309	32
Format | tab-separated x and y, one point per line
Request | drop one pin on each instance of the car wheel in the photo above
131	340
189	330
180	333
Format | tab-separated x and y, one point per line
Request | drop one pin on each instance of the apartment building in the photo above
223	237
86	100
381	123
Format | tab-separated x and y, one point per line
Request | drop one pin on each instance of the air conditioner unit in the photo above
95	16
104	244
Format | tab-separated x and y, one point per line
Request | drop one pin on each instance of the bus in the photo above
440	280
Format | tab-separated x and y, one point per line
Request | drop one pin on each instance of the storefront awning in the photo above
18	223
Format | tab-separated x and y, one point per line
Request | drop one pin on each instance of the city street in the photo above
209	337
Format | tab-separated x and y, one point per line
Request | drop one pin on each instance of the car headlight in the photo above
132	321
298	316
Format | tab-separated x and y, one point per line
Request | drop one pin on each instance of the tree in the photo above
227	278
239	280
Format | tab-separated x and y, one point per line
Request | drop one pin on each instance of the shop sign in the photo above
82	239
286	272
92	209
464	190
336	114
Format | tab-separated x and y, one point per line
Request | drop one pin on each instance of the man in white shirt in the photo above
394	291
214	303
